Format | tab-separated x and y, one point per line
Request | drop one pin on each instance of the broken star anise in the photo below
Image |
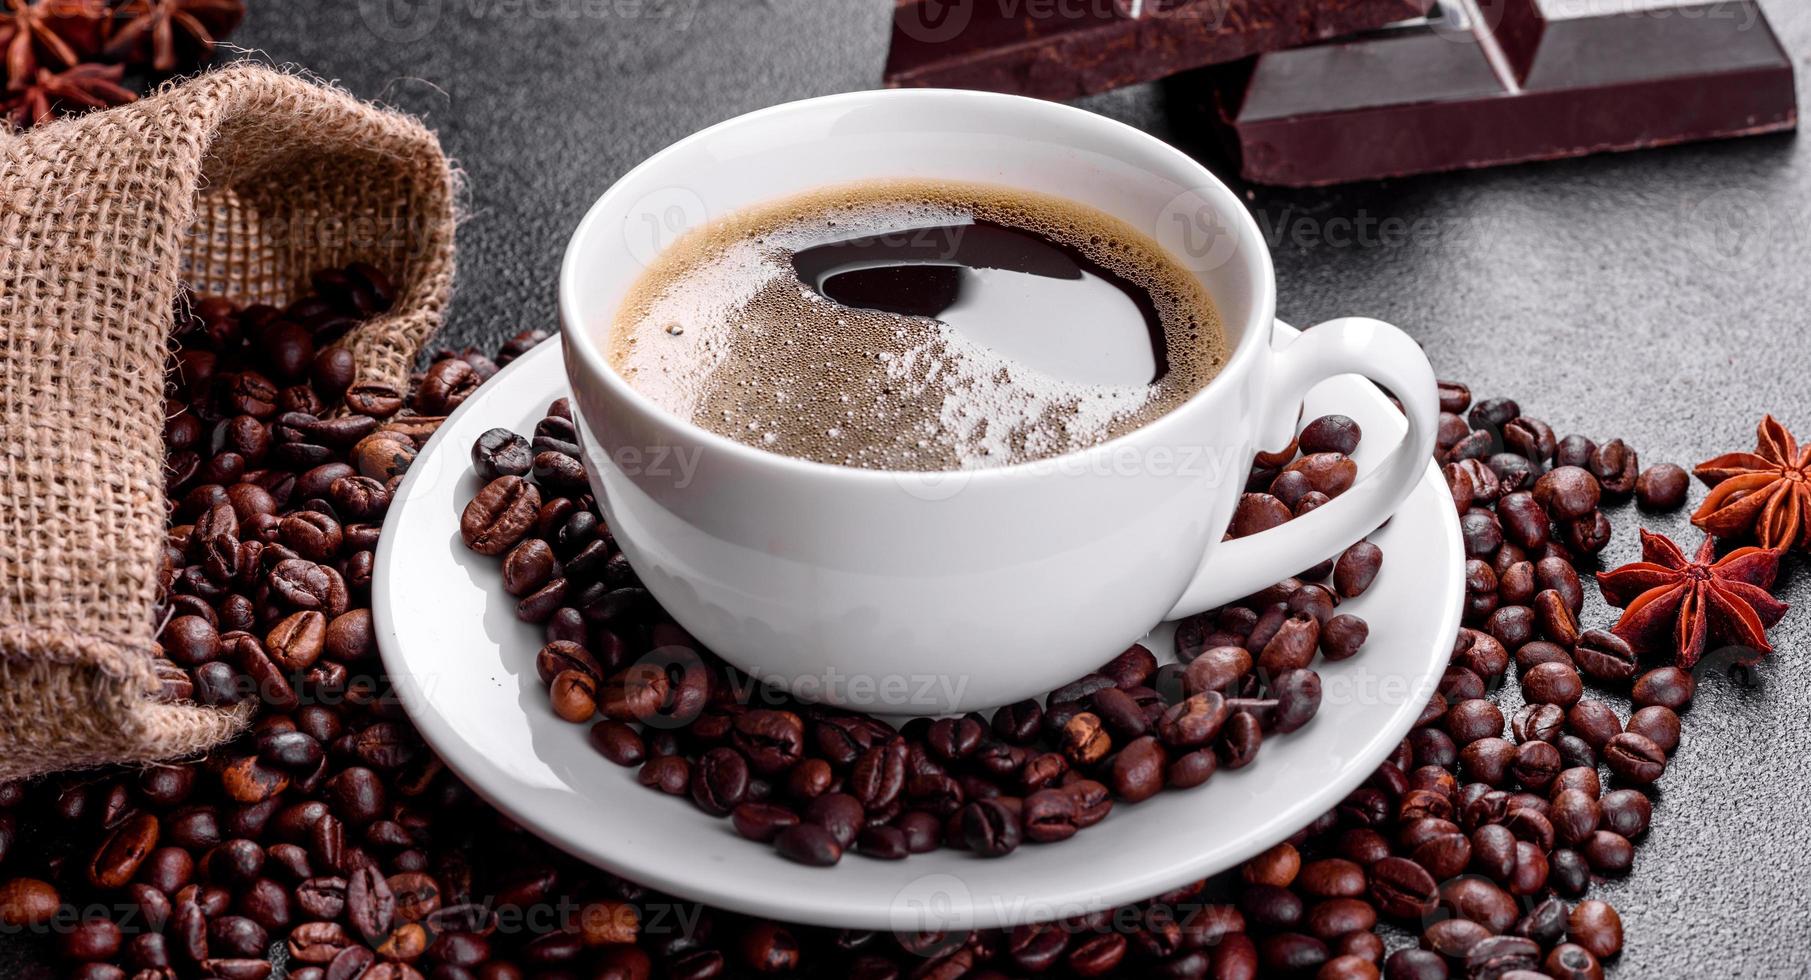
155	25
90	85
54	32
1672	602
1766	493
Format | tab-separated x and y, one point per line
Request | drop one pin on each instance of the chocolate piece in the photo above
1518	80
1060	49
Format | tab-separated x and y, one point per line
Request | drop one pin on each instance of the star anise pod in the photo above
91	85
39	32
160	27
1672	601
1766	493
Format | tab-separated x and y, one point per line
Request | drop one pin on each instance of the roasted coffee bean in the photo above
1538	722
1270	907
1277	866
123	851
1589	534
573	695
1536	764
1499	956
1194	721
1481	901
1471	720
1443	855
1604	657
1049	815
1293	646
1617	467
719	781
1658	724
1634	758
1240	740
839	813
671	774
1330	434
1256	513
1594	722
761	821
499	515
618	742
1512	626
1482	533
1018	723
1121	715
1331	473
1401	888
1661	488
1570	961
1415	964
989	828
1568	872
1291	953
1555	618
1487	760
1523	520
1609	853
1342	636
1576	816
528	567
637	693
1216	669
772	740
1596	927
1552	683
1357	568
1084	740
1568	492
1668	687
1453	939
1298	699
1331	878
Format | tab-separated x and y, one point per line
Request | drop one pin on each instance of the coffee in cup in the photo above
917	325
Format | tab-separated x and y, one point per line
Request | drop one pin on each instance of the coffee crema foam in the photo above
720	330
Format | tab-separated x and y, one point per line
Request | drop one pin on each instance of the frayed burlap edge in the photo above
240	183
81	675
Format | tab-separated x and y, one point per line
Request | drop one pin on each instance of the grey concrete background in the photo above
1658	296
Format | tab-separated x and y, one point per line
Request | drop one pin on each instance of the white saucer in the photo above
464	667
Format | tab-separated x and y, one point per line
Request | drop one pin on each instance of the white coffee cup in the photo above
927	593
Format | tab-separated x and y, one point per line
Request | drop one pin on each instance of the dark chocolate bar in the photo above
1502	81
1061	49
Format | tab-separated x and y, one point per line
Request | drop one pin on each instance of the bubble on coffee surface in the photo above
721	330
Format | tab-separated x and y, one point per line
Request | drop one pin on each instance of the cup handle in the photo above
1353	345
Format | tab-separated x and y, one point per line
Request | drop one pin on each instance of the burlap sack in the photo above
240	183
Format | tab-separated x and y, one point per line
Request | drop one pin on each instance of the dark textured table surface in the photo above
1658	296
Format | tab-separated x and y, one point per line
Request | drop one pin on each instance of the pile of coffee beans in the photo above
329	842
816	782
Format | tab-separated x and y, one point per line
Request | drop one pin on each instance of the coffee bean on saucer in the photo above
808	843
